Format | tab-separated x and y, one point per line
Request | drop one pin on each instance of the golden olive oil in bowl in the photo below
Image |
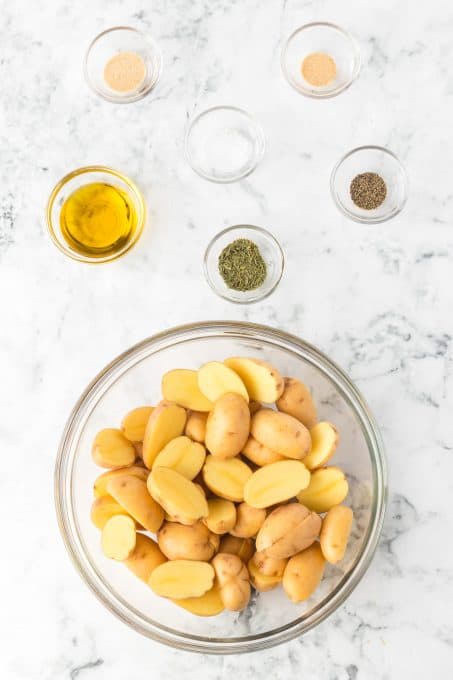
95	214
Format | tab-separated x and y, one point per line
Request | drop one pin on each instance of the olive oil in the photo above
98	219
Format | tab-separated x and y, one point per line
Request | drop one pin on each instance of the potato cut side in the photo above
132	494
303	573
183	455
335	531
145	557
111	449
221	515
196	426
328	487
119	537
181	387
215	379
262	381
209	604
100	484
103	509
226	478
276	483
296	401
180	579
281	433
166	422
134	423
324	441
180	498
228	426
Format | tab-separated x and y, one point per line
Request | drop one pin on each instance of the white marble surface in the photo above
378	299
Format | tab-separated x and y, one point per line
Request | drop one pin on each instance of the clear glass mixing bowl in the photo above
134	379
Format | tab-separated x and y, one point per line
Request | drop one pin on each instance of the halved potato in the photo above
134	423
100	483
276	483
179	497
324	441
259	454
119	537
145	557
111	449
103	509
180	579
183	455
215	379
166	422
222	515
132	494
226	478
181	387
281	433
262	381
209	604
296	401
328	487
196	426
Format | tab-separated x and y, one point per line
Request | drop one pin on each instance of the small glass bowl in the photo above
224	144
111	42
327	38
370	159
270	250
77	178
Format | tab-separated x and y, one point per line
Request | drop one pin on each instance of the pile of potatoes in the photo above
228	473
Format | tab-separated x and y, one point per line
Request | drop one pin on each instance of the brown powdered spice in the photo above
125	72
318	69
368	190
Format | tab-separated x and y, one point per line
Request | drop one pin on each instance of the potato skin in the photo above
181	542
145	558
209	604
100	483
287	530
196	426
296	401
133	425
103	509
303	573
269	566
335	531
233	579
248	521
111	449
228	426
221	516
262	381
281	433
259	454
166	422
242	547
132	494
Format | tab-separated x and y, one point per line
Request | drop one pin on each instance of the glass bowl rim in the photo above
364	219
86	170
259	230
329	93
259	134
124	99
372	436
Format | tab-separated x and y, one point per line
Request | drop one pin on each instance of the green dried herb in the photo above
241	265
368	190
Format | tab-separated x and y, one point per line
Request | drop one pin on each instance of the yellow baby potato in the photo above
260	581
262	381
303	573
196	426
215	379
269	566
297	401
248	522
180	579
103	509
287	530
233	579
221	515
281	433
145	557
100	484
134	423
324	441
226	478
177	495
165	423
260	454
119	537
228	426
276	483
181	387
111	449
183	455
209	604
132	494
328	487
242	547
335	531
181	542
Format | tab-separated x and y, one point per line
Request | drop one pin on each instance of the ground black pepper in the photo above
241	265
368	190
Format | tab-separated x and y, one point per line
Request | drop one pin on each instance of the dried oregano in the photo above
241	265
368	190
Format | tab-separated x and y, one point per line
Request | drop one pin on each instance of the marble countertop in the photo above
377	299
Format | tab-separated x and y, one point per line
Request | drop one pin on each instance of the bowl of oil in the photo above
95	214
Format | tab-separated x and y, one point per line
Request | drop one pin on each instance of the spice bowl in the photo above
370	159
335	46
270	251
142	66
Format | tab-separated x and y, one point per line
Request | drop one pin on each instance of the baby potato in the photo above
165	423
134	423
248	522
119	537
328	487
209	604
132	494
260	454
269	566
297	401
145	557
180	579
260	581
221	515
324	441
281	433
180	542
226	478
178	496
233	579
215	379
242	547
287	530
263	381
303	573
111	449
181	387
228	426
100	484
335	531
276	483
103	508
196	426
183	455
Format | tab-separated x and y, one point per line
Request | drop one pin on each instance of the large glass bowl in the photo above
134	379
